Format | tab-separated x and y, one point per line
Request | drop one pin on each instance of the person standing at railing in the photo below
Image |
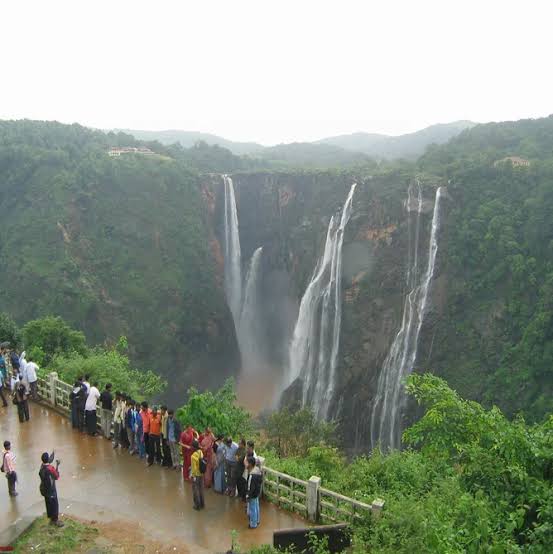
165	450
106	402
139	432
255	478
90	410
154	438
76	397
129	425
145	415
82	403
118	417
219	482
173	434
31	377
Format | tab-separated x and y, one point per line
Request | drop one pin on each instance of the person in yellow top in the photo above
197	476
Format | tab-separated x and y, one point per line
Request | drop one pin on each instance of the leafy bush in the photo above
9	332
217	410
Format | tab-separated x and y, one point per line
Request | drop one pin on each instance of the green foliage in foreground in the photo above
9	331
472	481
217	410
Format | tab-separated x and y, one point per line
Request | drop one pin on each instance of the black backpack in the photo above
203	465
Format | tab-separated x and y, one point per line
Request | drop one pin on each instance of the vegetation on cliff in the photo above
115	246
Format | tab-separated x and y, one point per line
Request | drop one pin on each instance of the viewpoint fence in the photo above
306	498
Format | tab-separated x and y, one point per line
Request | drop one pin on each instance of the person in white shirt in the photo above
31	377
90	410
118	419
86	383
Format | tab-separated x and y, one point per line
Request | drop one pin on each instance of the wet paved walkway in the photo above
98	482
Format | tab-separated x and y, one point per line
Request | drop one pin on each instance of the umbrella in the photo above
5	344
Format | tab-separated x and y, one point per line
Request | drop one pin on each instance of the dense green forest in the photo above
498	324
116	246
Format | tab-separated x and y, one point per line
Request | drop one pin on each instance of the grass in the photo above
43	538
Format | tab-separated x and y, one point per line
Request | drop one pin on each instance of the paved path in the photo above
98	482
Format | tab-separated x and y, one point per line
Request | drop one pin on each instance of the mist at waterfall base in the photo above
389	400
257	383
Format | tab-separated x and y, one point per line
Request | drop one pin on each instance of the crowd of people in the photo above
153	434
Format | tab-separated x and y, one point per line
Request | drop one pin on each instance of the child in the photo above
255	479
197	476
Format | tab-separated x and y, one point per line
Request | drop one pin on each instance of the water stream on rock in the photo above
313	354
233	261
389	399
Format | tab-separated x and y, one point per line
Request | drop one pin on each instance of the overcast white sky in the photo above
275	70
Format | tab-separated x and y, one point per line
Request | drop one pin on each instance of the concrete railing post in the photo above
313	506
52	378
377	506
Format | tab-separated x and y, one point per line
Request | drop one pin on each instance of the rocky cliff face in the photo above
288	215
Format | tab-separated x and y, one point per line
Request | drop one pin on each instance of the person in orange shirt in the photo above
145	416
154	439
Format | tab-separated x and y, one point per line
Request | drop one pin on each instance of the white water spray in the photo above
389	398
313	354
233	262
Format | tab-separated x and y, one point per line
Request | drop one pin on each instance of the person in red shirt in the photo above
145	415
154	439
186	439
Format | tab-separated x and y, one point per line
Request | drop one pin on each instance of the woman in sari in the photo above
186	438
219	484
208	440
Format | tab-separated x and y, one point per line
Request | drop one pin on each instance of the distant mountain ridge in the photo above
410	145
334	149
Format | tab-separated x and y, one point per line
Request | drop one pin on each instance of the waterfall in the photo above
233	276
389	398
248	335
313	354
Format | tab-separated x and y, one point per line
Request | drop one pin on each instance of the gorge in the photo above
445	267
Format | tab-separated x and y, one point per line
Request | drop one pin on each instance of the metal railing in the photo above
306	498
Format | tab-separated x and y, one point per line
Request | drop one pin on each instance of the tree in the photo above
216	410
53	337
9	332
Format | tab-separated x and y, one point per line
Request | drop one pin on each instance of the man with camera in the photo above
48	476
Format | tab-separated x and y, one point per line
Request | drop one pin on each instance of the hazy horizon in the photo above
275	72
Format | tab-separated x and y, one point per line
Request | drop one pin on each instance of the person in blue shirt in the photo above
230	466
174	431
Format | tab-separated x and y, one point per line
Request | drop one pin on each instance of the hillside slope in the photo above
115	246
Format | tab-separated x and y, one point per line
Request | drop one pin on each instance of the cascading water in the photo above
389	398
313	354
248	336
233	262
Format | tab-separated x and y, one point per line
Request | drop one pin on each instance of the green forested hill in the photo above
498	322
113	245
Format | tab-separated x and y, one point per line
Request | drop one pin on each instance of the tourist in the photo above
86	383
154	439
90	410
3	366
206	445
117	419
185	440
31	377
129	425
3	386
82	403
20	400
15	379
173	436
14	359
238	477
106	402
75	397
48	476
123	436
8	468
145	415
219	482
197	476
139	433
165	451
250	453
230	466
254	481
